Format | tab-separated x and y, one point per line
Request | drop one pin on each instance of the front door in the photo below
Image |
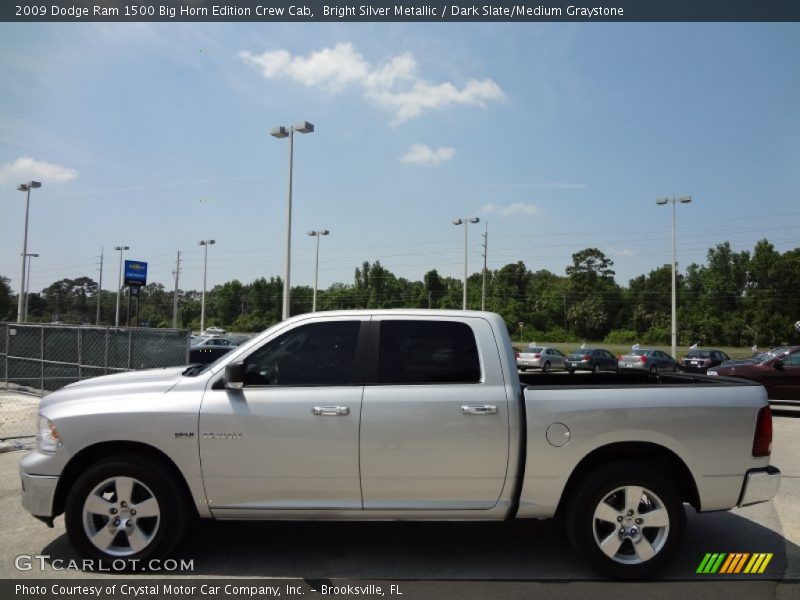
289	438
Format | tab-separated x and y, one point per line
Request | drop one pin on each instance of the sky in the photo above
558	136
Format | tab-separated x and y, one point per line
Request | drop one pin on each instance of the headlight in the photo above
710	372
47	438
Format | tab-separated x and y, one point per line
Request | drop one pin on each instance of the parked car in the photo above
700	361
207	349
780	374
645	359
208	341
213	331
591	359
347	416
540	357
759	357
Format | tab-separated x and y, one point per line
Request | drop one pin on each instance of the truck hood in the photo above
149	381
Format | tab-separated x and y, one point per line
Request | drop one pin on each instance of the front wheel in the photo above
125	507
626	520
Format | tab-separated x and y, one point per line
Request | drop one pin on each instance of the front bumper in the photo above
38	492
760	485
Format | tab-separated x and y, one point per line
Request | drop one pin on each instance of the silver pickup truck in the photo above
404	415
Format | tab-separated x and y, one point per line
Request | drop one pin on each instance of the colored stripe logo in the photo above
734	563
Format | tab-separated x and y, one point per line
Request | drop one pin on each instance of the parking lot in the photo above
455	553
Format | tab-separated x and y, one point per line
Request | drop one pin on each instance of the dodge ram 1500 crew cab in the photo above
402	414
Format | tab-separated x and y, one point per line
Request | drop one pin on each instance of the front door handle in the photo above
331	411
484	409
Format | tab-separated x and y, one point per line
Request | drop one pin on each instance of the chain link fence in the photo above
38	359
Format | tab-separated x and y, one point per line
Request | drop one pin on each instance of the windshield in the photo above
699	354
583	351
640	352
534	349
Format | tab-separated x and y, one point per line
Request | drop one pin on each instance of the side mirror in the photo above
234	376
778	364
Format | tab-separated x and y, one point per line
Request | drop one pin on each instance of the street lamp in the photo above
25	187
661	202
205	244
317	234
465	222
282	132
119	284
28	286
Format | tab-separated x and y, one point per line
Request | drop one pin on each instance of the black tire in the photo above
676	369
596	368
571	371
150	481
546	367
608	485
654	370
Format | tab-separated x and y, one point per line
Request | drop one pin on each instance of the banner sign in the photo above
391	11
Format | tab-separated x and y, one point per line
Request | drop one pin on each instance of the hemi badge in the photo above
184	434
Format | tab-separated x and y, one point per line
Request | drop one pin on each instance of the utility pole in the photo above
99	287
485	253
177	274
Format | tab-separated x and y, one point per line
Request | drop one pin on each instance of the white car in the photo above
213	331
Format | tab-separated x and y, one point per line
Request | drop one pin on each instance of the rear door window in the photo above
420	352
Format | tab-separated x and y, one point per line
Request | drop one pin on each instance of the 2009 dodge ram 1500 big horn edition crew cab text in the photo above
403	415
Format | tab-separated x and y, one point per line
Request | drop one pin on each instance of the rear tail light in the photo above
762	442
643	359
620	357
585	357
516	354
537	355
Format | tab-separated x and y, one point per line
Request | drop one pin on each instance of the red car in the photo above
779	374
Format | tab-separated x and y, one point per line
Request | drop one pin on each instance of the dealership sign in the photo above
135	272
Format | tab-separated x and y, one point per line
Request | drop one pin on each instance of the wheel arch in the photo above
655	456
96	452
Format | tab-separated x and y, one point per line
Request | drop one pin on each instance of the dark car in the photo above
206	350
779	374
759	357
700	360
591	359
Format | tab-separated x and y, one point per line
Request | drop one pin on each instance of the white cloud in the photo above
515	208
394	85
421	154
26	168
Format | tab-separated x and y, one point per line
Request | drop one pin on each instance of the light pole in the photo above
119	283
317	234
282	132
465	222
205	244
28	286
25	187
661	202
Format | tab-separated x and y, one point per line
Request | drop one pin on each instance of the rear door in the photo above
434	420
783	383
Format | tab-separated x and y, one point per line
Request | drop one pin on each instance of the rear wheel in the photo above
596	368
546	367
571	371
125	507
654	370
626	520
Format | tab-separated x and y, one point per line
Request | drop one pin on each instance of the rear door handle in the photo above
331	411
483	409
